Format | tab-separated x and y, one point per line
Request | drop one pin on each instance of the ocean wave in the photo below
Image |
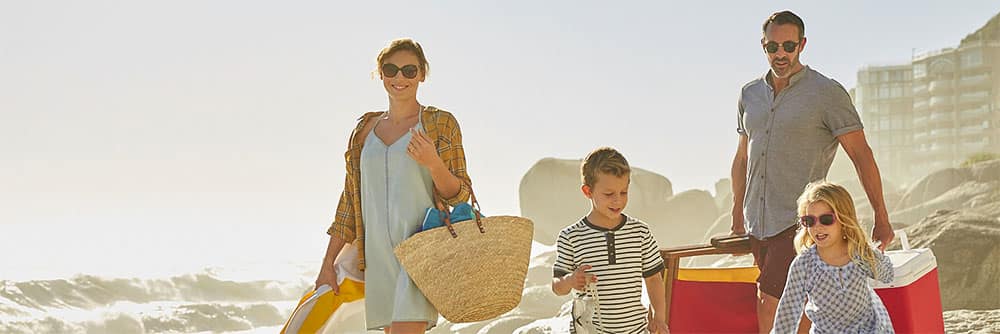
183	318
89	292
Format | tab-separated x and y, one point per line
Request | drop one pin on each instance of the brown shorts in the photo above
773	256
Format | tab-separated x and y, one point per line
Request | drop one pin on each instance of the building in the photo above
944	110
885	100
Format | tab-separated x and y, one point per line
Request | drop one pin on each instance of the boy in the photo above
615	251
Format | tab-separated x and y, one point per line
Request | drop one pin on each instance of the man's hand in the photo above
883	233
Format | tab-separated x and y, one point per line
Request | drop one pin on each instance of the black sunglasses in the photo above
809	221
789	46
409	71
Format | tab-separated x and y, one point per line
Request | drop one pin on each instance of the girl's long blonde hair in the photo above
842	204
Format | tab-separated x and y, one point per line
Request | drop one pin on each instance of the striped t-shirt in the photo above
621	258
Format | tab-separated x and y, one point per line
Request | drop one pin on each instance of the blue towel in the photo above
459	213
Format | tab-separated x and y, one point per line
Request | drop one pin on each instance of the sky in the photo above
143	112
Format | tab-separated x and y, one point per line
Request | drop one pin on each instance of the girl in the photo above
829	277
397	162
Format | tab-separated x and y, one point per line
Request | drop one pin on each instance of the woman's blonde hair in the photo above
403	44
842	204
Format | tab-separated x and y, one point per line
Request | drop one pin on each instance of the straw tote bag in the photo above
472	270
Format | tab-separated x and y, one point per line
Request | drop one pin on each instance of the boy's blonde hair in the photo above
604	160
842	204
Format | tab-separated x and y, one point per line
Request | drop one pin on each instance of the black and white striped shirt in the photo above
621	258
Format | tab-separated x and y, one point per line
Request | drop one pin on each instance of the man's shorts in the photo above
773	256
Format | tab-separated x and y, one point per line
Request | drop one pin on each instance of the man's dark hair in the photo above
786	17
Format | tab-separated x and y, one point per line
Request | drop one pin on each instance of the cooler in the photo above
913	299
710	300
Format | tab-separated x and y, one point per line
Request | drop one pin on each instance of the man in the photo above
790	123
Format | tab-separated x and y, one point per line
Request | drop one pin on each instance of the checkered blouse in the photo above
840	300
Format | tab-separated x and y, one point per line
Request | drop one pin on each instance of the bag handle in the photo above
443	209
445	215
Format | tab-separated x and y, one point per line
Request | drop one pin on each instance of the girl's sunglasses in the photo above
789	46
409	71
809	221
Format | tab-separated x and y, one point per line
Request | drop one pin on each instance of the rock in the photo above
986	171
958	197
506	325
971	321
967	247
540	302
724	195
540	269
933	185
550	196
684	219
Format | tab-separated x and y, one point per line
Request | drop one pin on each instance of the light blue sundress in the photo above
395	194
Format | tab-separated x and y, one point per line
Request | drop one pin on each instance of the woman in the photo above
398	162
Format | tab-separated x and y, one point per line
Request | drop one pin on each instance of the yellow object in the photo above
740	274
317	306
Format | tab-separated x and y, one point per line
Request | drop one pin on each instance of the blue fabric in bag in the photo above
459	213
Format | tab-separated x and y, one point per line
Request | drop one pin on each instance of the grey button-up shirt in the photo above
792	141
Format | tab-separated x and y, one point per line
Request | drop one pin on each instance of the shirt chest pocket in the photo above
756	117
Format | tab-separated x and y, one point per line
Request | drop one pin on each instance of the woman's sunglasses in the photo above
789	46
809	221
409	71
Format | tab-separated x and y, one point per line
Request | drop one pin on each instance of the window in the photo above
971	58
919	71
897	91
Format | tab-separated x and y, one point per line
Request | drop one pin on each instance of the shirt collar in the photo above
791	81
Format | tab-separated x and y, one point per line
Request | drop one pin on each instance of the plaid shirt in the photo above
439	124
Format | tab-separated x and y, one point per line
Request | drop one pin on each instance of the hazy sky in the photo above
240	110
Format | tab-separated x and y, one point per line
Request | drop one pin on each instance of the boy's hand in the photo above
578	279
658	327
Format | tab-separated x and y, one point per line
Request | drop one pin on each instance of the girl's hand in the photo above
422	150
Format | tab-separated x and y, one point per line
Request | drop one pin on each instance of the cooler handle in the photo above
902	239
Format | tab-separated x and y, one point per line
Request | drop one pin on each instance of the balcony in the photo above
975	81
939	101
920	120
974	113
981	97
939	86
919	104
920	90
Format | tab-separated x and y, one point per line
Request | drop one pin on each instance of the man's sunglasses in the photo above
789	46
409	71
810	221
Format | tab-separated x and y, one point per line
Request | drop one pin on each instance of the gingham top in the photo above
840	300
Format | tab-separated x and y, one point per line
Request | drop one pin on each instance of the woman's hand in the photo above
328	277
422	150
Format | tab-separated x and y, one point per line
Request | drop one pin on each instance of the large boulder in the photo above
967	247
986	171
963	196
933	185
550	196
724	195
684	218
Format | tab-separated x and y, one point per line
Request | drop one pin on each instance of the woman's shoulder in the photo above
441	116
